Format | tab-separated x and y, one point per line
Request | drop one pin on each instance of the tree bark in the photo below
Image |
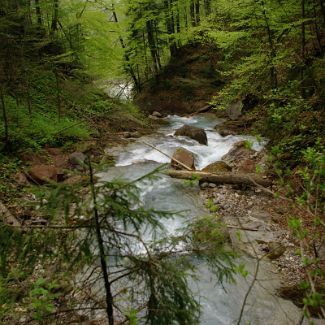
5	117
38	12
100	242
317	33
197	12
55	17
322	6
273	72
303	47
192	13
58	93
170	26
207	7
152	45
226	178
136	80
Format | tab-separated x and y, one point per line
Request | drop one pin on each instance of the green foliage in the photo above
248	144
43	298
241	269
209	236
156	273
211	206
194	180
40	127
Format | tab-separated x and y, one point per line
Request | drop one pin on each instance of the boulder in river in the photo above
193	132
156	114
217	168
184	156
234	110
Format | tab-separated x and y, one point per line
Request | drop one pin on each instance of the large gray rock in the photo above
184	156
234	110
77	160
238	154
156	114
193	132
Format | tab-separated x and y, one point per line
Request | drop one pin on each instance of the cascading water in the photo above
221	305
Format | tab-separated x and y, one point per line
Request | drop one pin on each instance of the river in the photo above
221	304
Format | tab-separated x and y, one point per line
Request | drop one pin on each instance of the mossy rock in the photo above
217	168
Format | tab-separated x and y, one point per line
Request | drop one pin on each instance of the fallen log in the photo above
204	109
225	178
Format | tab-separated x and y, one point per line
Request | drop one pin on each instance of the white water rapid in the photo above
221	305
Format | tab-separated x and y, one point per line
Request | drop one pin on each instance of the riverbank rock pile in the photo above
243	159
255	218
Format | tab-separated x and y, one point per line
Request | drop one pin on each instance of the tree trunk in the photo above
322	6
5	117
197	12
317	33
100	242
152	46
192	12
55	17
29	98
207	7
273	72
303	31
170	26
226	178
136	80
178	22
303	47
38	13
58	95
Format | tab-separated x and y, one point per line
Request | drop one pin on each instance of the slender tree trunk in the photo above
152	45
178	22
178	26
29	98
303	31
186	19
136	80
207	7
303	46
38	13
5	117
273	72
197	12
58	95
55	17
170	26
145	57
317	33
322	6
192	12
100	243
155	24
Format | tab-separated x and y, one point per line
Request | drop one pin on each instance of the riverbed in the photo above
221	304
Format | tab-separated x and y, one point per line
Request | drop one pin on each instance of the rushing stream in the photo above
220	304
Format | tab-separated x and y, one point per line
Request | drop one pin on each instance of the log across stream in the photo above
221	305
